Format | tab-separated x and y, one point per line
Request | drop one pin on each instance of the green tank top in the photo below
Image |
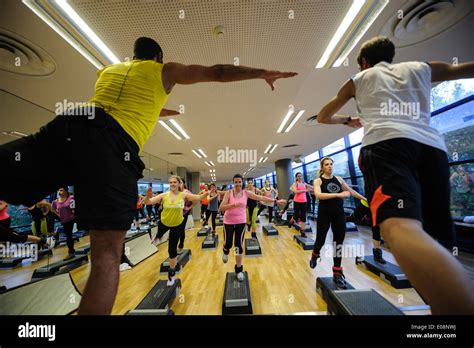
172	214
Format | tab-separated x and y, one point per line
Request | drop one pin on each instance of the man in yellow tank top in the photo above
99	146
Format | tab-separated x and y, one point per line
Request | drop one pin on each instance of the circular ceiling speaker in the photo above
419	20
20	56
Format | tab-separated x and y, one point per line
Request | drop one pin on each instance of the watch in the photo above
349	119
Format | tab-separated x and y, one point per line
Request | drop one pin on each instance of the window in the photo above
294	164
462	189
340	165
449	92
312	157
355	156
334	147
356	137
360	186
457	126
312	170
19	215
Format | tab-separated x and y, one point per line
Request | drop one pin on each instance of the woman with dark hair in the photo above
204	203
269	192
38	212
64	207
300	188
251	211
234	205
331	191
188	206
213	207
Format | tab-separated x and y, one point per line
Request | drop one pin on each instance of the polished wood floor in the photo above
281	280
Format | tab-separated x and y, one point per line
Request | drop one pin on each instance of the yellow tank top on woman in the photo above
133	94
172	214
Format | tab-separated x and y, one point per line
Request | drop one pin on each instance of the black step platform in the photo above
59	267
325	285
252	247
182	260
204	231
360	302
390	273
307	228
305	242
84	250
158	300
237	298
351	227
211	242
270	230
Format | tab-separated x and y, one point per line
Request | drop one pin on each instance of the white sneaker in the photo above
240	276
180	251
225	258
155	242
124	266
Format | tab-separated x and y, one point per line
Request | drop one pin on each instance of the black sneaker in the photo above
339	280
303	234
378	256
314	261
254	235
171	277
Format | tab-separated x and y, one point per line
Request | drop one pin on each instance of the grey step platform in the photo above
325	285
158	300
59	267
351	227
305	242
252	247
270	230
307	228
390	273
211	242
360	302
84	250
237	299
12	262
204	231
138	248
182	260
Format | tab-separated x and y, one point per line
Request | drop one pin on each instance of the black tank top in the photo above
331	186
250	202
36	213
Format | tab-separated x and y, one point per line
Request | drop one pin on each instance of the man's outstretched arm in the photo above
441	71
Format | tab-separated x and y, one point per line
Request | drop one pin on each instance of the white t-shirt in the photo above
393	101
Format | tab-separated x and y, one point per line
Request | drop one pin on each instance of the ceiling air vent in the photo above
175	154
20	56
418	20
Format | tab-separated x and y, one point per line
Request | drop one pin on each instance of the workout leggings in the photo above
337	221
149	209
68	226
362	211
203	210
138	212
8	235
173	239
270	211
213	218
234	233
182	231
251	213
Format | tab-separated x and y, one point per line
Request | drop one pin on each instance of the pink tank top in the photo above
300	197
236	215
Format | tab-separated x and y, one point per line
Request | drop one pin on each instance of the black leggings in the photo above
360	213
182	231
270	211
337	221
138	212
213	218
68	227
149	209
173	239
203	210
8	235
234	233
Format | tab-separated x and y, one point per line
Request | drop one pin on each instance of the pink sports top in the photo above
300	197
236	216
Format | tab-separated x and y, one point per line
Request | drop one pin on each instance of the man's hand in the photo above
355	123
271	76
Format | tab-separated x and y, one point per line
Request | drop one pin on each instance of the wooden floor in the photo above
281	280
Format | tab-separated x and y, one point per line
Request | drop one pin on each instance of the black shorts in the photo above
405	178
94	154
300	211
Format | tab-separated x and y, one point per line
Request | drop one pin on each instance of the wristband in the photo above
349	119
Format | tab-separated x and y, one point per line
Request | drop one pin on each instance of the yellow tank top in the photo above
133	94
172	214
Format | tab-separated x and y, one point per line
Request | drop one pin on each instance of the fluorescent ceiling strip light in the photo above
80	24
300	113
61	32
265	159
290	112
345	24
268	148
196	153
181	130
260	160
207	163
202	153
355	40
170	130
212	164
273	149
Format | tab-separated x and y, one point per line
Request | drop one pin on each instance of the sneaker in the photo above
339	280
254	235
314	260
180	251
124	266
378	256
156	241
303	234
240	273
69	257
225	258
171	277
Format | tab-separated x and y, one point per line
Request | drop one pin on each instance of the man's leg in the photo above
101	289
424	260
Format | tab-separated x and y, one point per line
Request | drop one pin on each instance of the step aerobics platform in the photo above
252	247
158	300
182	260
237	298
389	272
305	242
